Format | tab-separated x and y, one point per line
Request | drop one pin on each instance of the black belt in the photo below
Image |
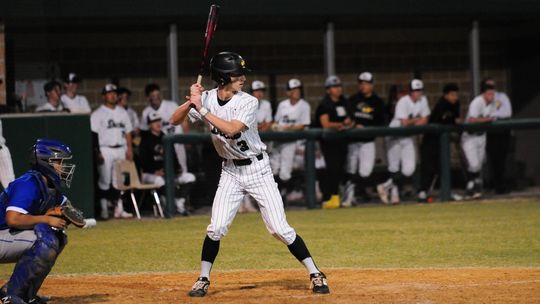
115	147
247	161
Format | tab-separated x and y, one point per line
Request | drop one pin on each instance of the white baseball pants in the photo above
256	180
361	158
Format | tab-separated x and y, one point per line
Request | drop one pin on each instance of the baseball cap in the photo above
332	81
154	116
293	83
122	90
72	77
485	87
416	85
450	87
49	86
257	85
109	87
365	77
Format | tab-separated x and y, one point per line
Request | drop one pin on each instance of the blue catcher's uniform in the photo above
33	250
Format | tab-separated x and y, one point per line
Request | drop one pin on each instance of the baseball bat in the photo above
182	111
211	25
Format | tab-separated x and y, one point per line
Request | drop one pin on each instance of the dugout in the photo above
21	132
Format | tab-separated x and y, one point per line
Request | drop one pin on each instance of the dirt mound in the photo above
462	285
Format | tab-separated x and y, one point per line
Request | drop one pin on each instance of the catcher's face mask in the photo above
64	169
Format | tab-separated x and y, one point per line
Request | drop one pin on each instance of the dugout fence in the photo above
313	135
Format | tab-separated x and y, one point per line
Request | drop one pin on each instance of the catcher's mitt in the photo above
69	213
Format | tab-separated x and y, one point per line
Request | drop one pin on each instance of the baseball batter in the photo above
367	109
231	115
72	101
481	110
293	114
113	127
165	109
6	164
411	110
29	236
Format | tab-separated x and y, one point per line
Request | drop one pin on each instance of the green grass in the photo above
488	234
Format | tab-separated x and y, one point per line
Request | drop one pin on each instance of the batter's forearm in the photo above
228	128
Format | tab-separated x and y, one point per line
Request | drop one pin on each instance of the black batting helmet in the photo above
227	64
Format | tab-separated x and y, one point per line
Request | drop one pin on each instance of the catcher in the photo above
33	217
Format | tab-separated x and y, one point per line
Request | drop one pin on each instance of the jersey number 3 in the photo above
243	145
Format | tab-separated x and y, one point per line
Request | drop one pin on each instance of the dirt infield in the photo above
464	285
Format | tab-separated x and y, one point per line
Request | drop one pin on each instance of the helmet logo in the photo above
243	63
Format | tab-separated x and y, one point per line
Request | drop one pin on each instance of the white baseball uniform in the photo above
283	154
474	144
111	125
133	117
48	107
245	170
503	106
77	104
264	113
401	150
6	165
166	110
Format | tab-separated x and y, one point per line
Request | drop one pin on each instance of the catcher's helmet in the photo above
47	153
227	64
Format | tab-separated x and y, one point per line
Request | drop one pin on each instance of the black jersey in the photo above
367	111
337	111
151	152
444	113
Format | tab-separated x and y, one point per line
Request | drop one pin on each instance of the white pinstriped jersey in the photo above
242	107
111	125
165	110
288	114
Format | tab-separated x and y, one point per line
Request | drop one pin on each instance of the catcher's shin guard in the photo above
36	263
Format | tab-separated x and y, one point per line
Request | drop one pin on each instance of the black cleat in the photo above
200	288
319	284
39	300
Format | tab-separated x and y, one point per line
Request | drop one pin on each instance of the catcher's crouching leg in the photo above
36	263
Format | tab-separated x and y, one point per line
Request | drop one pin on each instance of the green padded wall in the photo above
21	132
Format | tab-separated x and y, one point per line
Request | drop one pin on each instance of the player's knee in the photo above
408	169
286	236
365	171
49	243
285	175
159	181
475	167
217	233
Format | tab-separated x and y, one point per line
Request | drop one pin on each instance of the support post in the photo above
172	62
444	155
311	174
329	50
474	41
168	149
